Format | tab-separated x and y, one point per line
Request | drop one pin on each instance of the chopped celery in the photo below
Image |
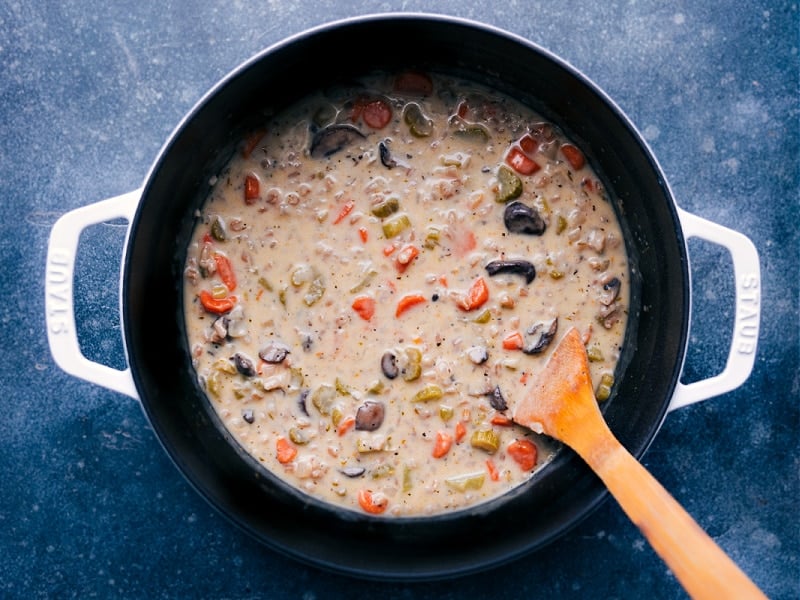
396	226
468	481
484	317
428	393
219	291
298	436
413	367
485	439
431	238
561	224
218	229
594	353
446	412
376	387
365	281
301	274
407	482
262	281
213	385
315	290
225	366
383	470
418	124
322	398
457	159
509	185
603	391
472	132
386	207
342	388
367	445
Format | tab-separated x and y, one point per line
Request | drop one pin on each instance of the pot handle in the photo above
59	310
747	274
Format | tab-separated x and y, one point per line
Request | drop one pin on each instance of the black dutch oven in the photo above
160	372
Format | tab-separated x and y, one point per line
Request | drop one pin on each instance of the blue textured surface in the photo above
90	505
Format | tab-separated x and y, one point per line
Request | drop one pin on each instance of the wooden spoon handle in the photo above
704	570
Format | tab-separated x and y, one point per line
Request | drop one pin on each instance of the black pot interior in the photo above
423	548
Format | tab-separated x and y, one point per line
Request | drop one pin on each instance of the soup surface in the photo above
379	274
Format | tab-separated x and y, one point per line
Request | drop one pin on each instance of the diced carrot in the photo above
218	306
346	209
464	242
513	341
573	155
225	271
363	234
406	255
407	302
251	189
494	474
461	431
368	502
524	452
413	82
286	452
364	306
389	249
442	445
346	425
528	144
251	141
476	297
521	162
501	420
259	293
523	379
376	113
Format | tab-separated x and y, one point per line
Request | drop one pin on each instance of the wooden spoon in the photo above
562	405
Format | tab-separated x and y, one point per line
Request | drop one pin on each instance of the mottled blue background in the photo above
90	505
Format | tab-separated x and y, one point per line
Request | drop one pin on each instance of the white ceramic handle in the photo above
747	274
59	309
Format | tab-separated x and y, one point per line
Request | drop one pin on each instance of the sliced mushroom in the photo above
516	267
478	354
301	401
369	415
611	289
521	218
237	324
333	138
244	365
219	330
497	400
539	336
274	352
389	365
353	471
386	156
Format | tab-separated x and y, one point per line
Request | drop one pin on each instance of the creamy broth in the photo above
380	273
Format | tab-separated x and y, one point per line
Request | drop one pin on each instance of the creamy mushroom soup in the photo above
377	277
